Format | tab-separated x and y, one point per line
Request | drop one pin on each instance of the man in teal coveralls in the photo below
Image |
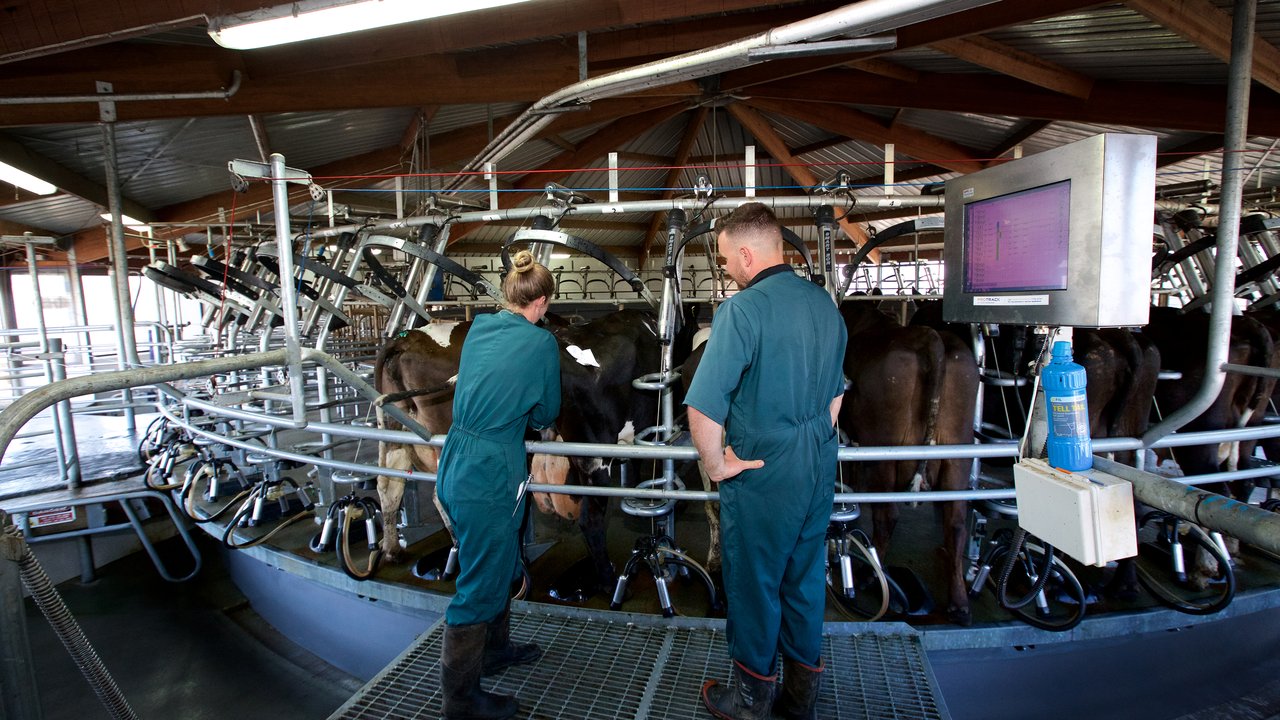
508	379
770	383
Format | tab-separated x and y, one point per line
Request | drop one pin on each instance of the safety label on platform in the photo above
52	516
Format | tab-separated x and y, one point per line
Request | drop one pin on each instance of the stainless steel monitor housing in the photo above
1112	203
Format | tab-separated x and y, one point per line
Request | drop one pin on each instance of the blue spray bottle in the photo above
1068	444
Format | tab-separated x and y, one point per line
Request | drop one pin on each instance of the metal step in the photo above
644	667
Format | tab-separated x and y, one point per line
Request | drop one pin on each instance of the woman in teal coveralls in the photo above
508	380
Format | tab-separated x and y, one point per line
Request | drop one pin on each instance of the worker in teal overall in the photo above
770	384
508	380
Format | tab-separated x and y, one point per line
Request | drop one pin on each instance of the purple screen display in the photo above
1018	241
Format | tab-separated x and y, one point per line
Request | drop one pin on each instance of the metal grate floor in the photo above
653	669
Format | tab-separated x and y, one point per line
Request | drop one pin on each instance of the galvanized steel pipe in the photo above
1250	524
1236	140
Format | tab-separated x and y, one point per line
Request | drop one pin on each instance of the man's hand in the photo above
717	463
731	467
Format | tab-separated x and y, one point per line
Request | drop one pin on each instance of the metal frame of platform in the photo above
617	665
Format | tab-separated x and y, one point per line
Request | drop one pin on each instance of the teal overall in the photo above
770	371
508	379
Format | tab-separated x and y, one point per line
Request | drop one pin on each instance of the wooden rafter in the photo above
1024	133
1202	23
987	53
758	126
1135	104
587	152
691	131
599	144
861	126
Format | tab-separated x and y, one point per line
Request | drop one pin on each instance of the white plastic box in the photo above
1087	515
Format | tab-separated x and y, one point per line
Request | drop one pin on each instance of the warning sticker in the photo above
52	516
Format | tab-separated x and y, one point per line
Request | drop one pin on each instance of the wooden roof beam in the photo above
611	136
1024	133
861	126
759	127
987	53
1203	24
692	129
1137	104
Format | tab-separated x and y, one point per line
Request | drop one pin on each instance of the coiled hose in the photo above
68	630
1010	559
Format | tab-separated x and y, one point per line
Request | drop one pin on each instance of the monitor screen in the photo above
1018	241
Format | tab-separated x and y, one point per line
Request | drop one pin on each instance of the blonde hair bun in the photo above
524	261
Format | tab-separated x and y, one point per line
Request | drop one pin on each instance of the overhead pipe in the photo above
1223	294
864	18
223	94
692	205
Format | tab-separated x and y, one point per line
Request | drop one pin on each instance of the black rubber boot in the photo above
798	699
460	664
749	698
500	652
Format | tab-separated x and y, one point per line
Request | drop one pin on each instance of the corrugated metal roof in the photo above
60	214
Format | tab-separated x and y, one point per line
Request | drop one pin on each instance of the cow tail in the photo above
386	371
935	361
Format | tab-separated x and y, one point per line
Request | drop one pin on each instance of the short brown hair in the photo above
527	281
753	220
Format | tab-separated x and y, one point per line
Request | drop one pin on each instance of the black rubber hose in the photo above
1002	584
68	630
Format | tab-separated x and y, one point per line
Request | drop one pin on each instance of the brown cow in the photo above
899	377
425	359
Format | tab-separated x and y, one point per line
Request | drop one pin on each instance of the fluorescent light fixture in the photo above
310	19
560	256
26	180
134	225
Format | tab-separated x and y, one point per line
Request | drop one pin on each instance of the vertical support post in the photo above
47	361
19	698
66	424
825	218
78	307
288	292
613	177
126	350
749	171
1234	145
492	177
437	238
889	166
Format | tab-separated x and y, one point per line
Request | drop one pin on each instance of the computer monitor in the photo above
1057	238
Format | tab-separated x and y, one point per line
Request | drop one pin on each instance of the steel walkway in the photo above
615	665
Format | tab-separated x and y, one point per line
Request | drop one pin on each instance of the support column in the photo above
126	347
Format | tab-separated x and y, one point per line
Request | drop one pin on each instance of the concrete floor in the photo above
194	650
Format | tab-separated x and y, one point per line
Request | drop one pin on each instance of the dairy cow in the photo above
414	370
911	385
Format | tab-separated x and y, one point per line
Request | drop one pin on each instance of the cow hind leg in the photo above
391	496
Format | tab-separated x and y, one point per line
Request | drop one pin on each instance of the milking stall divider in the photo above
653	650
